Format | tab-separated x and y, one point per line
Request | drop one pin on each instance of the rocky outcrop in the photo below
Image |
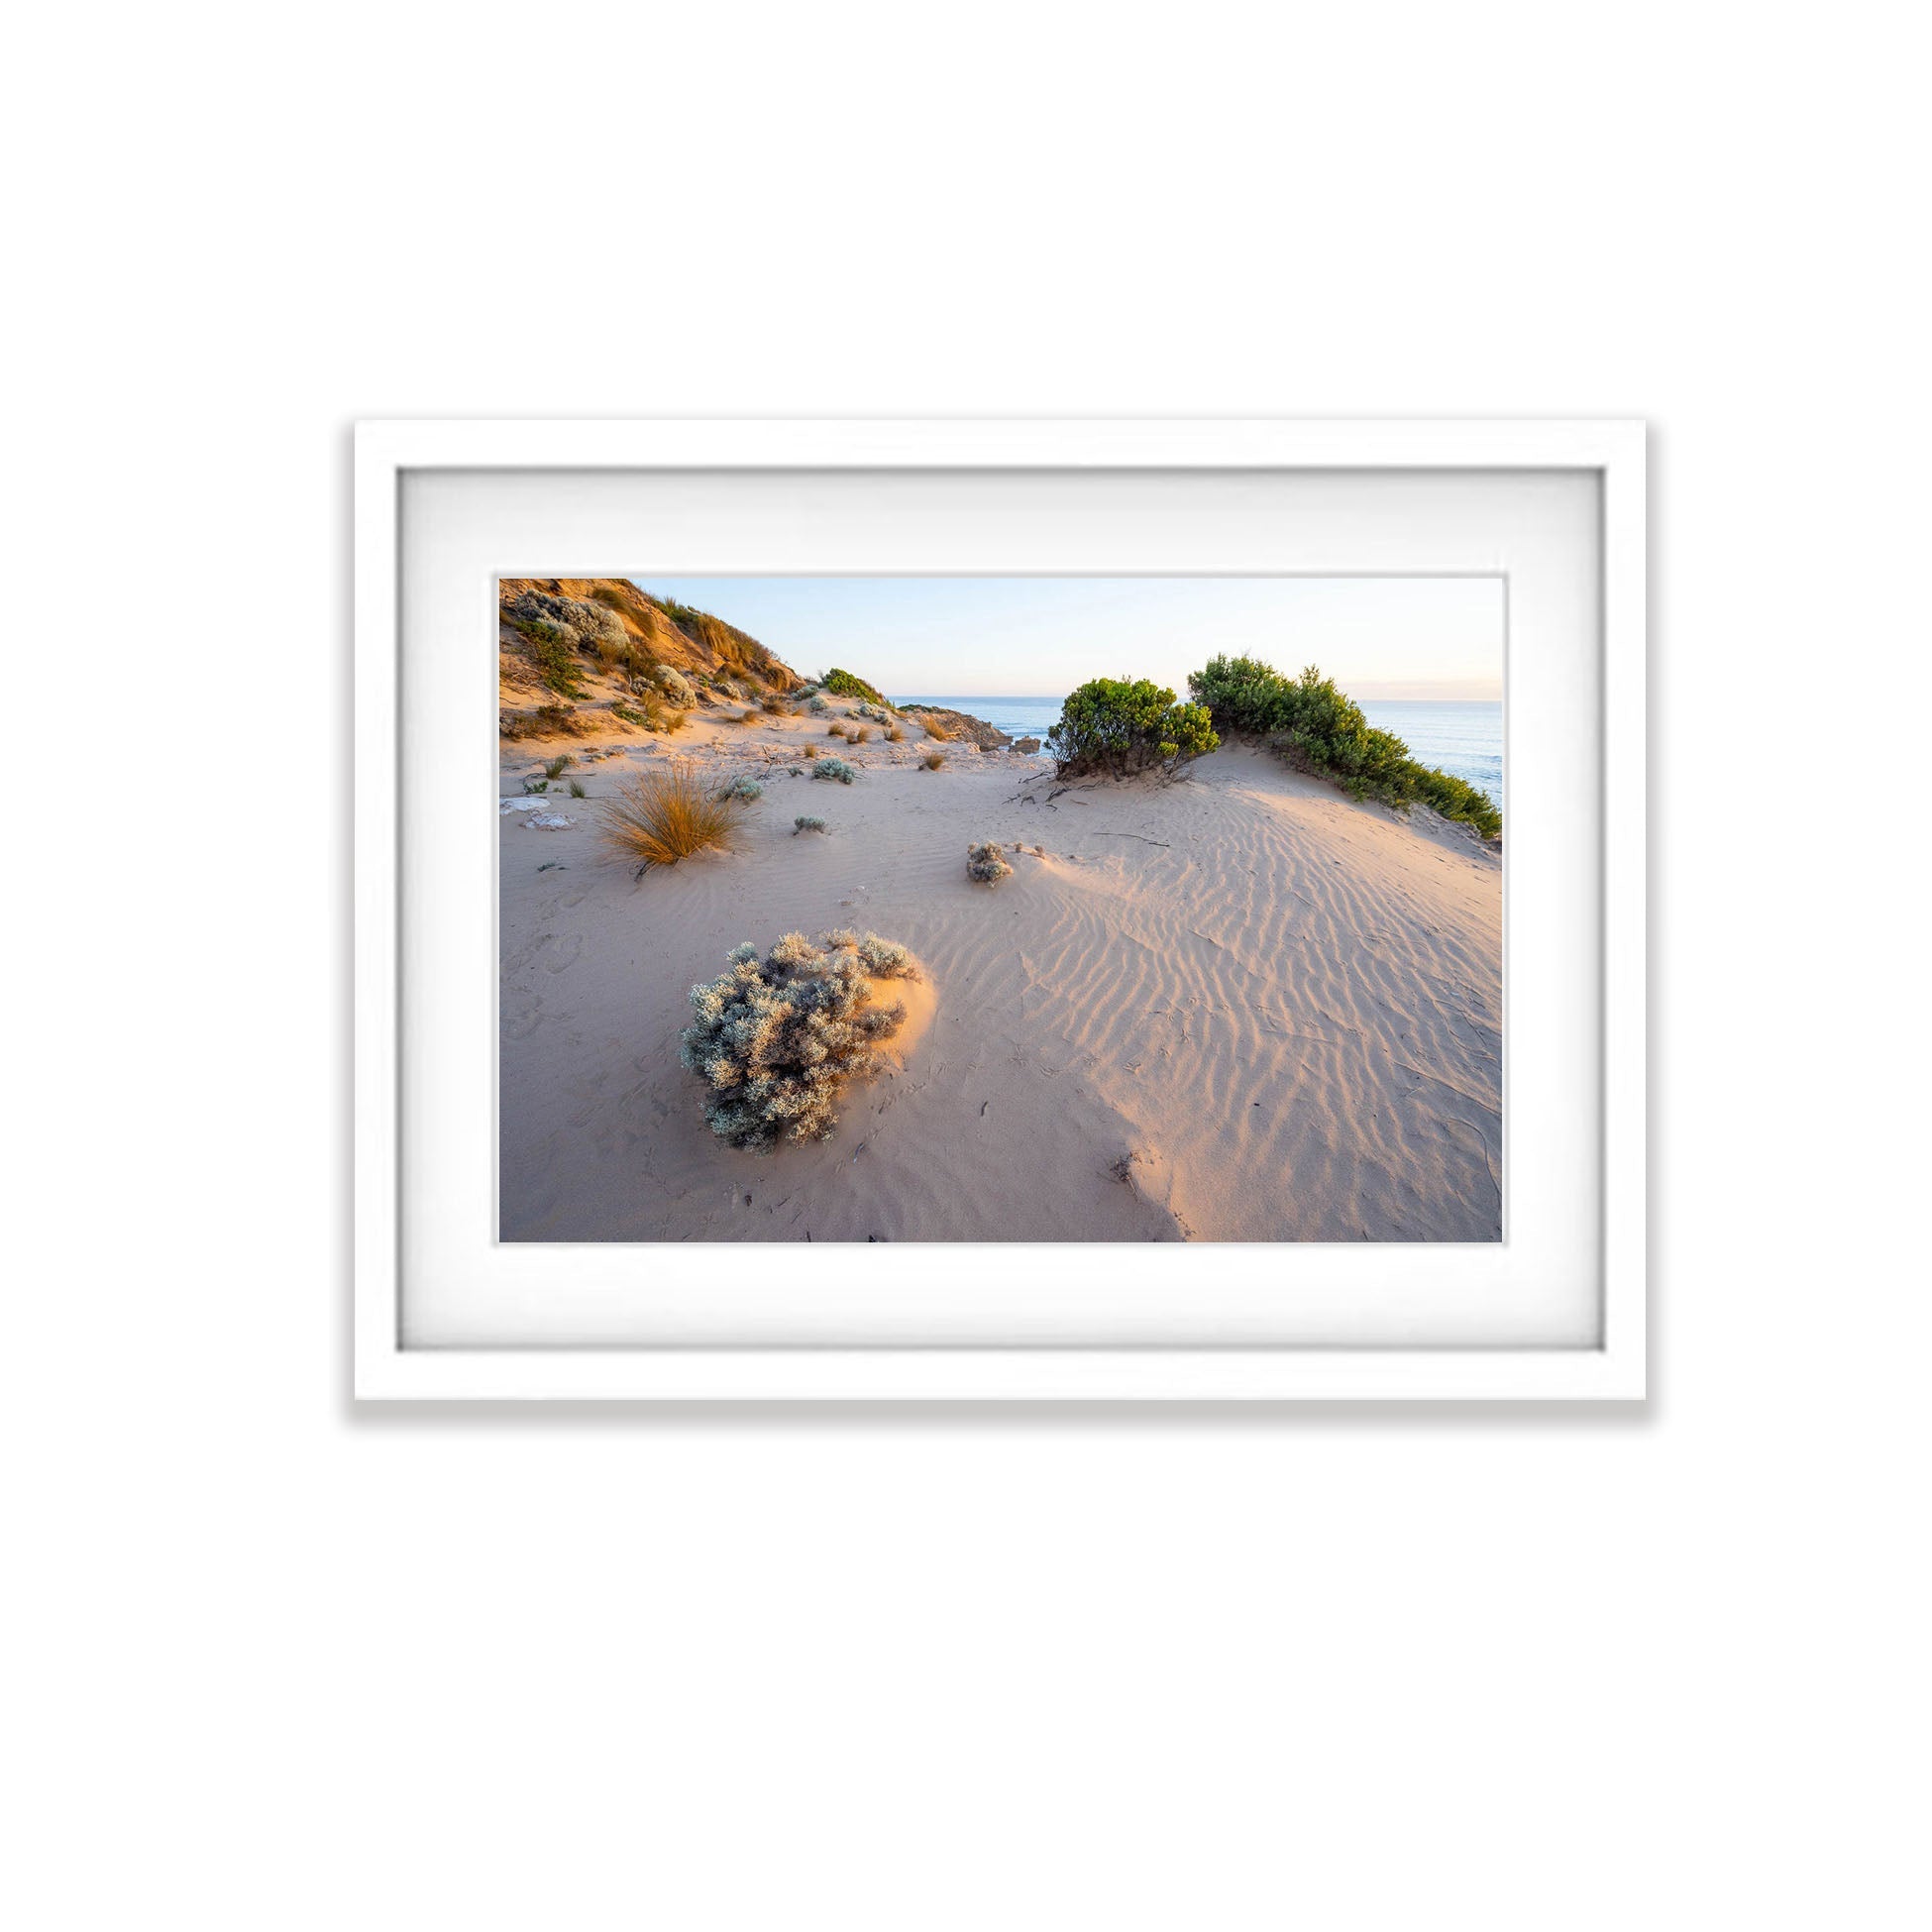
961	725
1026	744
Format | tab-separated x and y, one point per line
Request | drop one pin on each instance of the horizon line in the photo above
1379	699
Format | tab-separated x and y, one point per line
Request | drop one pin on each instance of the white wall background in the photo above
273	1663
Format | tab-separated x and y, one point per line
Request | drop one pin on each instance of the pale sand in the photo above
1276	1012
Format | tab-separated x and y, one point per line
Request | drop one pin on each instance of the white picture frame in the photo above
389	1366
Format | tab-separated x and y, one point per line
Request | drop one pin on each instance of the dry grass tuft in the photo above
812	751
932	760
896	736
857	735
658	817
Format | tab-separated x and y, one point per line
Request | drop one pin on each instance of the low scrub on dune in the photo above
675	686
896	736
732	647
558	766
557	664
560	631
836	768
986	863
775	1038
745	789
857	735
1319	729
656	817
649	713
1122	725
806	821
932	760
843	683
811	751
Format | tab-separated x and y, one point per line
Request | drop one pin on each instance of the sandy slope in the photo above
1276	1012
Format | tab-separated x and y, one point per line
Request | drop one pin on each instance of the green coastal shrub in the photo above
774	1039
746	788
843	683
557	664
807	822
1120	725
836	768
1321	730
816	703
986	863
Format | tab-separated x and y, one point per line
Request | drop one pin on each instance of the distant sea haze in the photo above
1463	737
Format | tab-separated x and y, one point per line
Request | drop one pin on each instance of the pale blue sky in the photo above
1015	636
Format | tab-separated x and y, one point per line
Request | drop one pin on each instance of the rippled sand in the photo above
1237	1007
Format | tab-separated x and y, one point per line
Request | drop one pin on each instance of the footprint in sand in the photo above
560	955
522	1012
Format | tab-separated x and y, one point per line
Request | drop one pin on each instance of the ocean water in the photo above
1463	738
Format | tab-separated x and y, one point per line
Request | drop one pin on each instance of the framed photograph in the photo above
1000	910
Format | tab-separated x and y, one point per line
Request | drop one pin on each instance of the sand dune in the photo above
1235	1007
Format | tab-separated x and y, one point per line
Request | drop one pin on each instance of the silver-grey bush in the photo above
776	1037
